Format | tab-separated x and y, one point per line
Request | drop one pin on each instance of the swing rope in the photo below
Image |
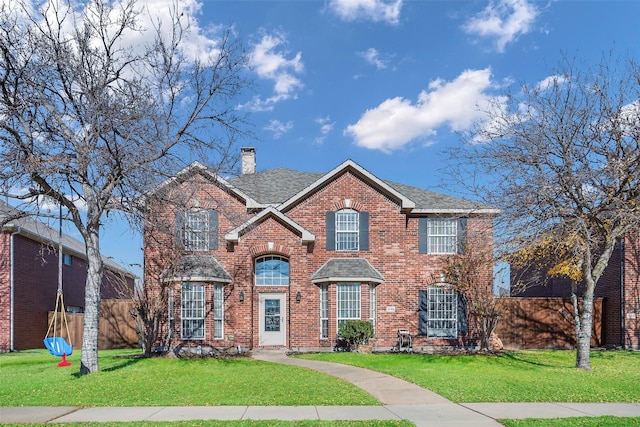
57	345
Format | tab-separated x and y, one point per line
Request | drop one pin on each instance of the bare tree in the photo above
562	160
98	100
470	275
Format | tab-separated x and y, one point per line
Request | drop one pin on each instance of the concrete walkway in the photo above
401	400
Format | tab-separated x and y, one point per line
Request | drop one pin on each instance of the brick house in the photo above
29	278
619	288
280	258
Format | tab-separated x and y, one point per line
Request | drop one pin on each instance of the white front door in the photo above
272	319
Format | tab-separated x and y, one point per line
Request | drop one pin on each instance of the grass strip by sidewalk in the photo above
31	378
514	376
575	422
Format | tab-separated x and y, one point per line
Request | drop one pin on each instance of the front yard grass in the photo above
513	376
31	378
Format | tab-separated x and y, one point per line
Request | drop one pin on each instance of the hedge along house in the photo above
280	258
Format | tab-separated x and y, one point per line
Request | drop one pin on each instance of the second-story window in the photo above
442	235
347	230
197	230
347	227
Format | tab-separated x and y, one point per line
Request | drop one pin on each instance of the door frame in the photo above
278	339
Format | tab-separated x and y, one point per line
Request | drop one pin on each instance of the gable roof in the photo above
305	234
284	187
347	270
13	220
351	166
198	168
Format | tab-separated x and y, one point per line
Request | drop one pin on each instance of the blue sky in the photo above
389	83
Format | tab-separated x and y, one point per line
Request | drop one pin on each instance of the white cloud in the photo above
372	56
504	21
551	81
375	10
326	127
272	64
197	42
278	128
397	121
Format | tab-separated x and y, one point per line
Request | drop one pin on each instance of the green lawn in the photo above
575	422
32	379
523	376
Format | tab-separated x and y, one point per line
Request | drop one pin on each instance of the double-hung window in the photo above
347	227
442	235
439	312
272	270
348	302
197	230
347	230
324	311
218	311
192	311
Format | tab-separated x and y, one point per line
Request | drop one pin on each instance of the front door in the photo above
272	319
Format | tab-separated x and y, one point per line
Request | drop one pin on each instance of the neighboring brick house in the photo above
280	258
619	286
29	278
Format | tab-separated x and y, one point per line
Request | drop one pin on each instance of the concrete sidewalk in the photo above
422	415
400	399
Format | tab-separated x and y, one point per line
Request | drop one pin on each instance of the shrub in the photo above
356	332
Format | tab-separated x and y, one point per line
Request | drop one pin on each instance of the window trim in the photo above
67	259
218	311
345	237
183	234
198	313
448	314
351	290
281	282
324	312
425	245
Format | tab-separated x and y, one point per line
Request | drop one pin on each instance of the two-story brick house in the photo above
280	258
29	278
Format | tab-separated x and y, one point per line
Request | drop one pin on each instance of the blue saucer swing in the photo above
55	343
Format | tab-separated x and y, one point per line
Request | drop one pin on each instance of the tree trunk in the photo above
583	335
89	361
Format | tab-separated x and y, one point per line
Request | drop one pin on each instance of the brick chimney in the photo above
248	160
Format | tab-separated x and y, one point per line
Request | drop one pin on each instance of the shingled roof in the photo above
13	220
347	269
275	186
198	268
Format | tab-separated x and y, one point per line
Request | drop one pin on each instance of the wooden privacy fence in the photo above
544	323
116	329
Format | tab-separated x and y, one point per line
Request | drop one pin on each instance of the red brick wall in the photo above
393	251
5	292
35	288
632	291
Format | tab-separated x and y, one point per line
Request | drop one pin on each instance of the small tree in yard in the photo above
469	274
99	101
561	158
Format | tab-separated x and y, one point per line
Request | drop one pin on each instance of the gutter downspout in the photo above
11	291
